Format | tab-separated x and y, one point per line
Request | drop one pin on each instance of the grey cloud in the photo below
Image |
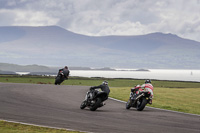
6	18
107	17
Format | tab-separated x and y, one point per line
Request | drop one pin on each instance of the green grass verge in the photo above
177	99
95	81
9	127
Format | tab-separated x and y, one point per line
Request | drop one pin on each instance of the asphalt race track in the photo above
58	106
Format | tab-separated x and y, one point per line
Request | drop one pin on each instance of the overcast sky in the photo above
106	17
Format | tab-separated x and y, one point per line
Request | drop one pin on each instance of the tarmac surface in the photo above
59	106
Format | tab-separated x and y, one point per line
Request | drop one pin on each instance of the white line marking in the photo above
44	126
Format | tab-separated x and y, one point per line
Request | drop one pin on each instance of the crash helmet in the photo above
147	81
66	67
104	83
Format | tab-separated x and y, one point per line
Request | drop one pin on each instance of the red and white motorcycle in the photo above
138	98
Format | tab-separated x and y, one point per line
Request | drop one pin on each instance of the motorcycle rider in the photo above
65	71
104	87
148	87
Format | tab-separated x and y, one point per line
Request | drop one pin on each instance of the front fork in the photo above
89	95
131	99
133	96
89	98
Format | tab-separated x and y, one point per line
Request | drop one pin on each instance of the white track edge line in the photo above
29	124
156	108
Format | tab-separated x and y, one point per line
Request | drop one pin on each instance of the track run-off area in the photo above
59	106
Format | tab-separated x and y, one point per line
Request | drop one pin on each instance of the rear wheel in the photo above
58	80
83	105
128	104
96	104
141	104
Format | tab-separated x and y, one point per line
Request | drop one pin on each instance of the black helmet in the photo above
104	83
66	67
148	81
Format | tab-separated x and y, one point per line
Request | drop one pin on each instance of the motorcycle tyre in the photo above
83	105
142	104
58	81
128	106
96	105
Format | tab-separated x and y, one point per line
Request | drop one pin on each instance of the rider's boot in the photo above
150	100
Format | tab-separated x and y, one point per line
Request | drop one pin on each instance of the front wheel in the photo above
83	105
141	104
128	104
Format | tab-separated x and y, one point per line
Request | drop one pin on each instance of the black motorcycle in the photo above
138	99
94	99
60	77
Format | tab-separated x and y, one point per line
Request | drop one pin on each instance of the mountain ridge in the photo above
55	46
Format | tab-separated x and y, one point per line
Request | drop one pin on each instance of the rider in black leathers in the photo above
65	71
104	87
62	75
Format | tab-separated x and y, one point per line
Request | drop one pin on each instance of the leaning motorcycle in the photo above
138	99
60	78
94	99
